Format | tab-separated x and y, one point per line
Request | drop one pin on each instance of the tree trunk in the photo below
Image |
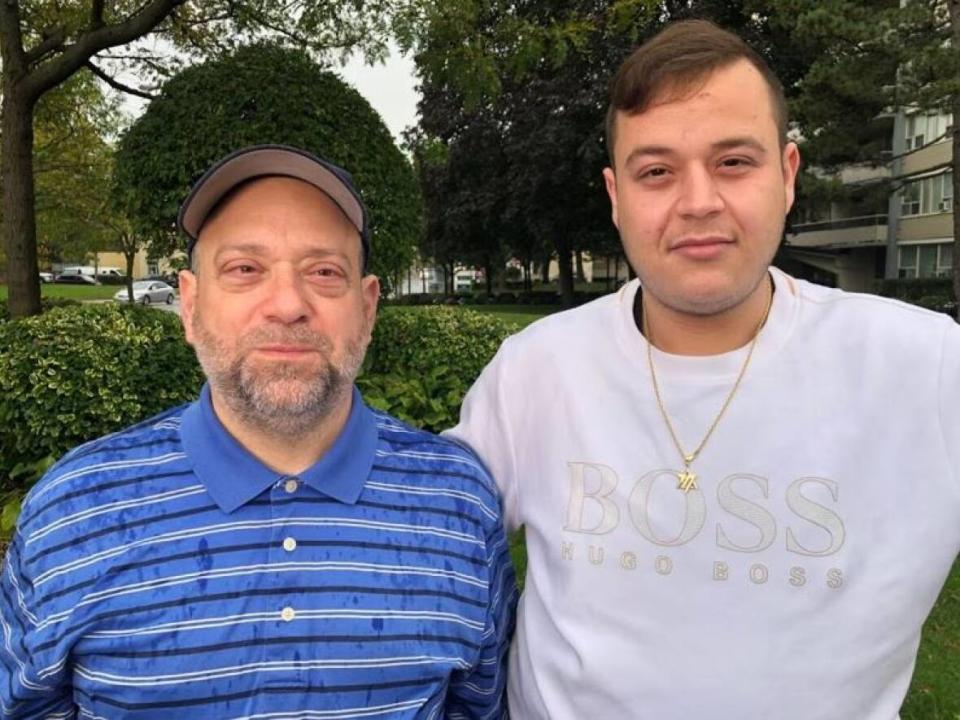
129	257
581	276
488	276
954	6
565	265
528	275
19	228
545	269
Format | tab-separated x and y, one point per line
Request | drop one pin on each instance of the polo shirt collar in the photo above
234	476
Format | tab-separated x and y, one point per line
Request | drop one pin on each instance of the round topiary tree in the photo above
265	94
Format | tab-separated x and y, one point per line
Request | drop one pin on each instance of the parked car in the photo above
172	279
46	277
148	291
76	279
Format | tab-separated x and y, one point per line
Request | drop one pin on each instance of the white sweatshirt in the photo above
793	584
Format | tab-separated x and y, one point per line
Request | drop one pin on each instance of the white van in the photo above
87	270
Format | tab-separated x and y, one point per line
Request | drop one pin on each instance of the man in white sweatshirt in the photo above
740	490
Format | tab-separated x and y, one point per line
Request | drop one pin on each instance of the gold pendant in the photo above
688	480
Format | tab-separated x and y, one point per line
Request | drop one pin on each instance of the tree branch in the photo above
50	42
75	56
96	14
116	84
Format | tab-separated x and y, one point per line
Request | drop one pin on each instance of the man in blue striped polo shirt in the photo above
276	549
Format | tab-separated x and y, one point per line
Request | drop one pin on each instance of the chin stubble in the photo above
279	399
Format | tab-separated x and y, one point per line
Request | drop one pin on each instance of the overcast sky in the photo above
389	88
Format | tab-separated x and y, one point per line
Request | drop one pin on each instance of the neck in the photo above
680	333
289	453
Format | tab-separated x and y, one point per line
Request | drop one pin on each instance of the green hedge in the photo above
423	360
78	372
82	371
75	373
916	288
46	303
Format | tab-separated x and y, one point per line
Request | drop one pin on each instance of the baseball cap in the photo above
264	160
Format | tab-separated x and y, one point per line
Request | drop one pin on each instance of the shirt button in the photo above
289	544
288	614
291	485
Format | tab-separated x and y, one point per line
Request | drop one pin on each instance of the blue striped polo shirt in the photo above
164	571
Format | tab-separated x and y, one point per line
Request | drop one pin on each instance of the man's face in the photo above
701	190
278	311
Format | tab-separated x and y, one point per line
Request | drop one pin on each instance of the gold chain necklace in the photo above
687	479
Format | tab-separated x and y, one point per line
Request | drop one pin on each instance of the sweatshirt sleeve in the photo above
485	427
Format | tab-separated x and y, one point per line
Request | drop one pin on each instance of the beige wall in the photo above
140	267
926	158
854	270
926	227
843	236
117	260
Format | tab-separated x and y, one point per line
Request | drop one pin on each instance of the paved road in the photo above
174	308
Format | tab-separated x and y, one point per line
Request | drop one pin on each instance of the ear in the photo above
188	300
370	291
610	180
790	163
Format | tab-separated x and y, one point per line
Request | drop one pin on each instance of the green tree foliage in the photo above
43	43
868	58
265	94
517	96
71	160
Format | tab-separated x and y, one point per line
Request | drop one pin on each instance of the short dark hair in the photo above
678	59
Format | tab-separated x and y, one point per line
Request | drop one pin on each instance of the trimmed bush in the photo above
916	288
422	361
112	279
46	303
75	373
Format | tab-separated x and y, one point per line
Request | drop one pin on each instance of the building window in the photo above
928	195
923	261
153	268
923	128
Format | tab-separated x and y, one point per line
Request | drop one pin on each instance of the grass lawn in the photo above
521	315
935	692
76	292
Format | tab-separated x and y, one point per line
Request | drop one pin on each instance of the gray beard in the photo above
257	396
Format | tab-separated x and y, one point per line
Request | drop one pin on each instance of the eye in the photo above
241	268
326	272
654	174
736	163
327	275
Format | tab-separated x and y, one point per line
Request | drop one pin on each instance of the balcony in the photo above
865	230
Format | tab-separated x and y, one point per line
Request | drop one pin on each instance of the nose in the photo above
287	300
699	195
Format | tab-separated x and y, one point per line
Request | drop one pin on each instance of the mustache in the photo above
288	335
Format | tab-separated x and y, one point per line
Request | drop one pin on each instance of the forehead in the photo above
282	209
732	99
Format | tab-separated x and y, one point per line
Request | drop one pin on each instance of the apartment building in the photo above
897	220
